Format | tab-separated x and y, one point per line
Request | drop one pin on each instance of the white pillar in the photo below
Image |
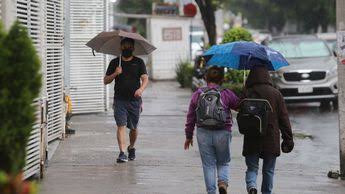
341	83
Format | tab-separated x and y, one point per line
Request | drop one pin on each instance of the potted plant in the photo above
184	73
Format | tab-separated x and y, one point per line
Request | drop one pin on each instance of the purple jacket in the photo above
229	99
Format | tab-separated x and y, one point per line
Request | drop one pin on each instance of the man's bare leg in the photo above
133	134
121	138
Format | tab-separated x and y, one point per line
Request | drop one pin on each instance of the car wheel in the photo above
335	103
325	104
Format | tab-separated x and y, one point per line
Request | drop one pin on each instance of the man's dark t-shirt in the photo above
129	80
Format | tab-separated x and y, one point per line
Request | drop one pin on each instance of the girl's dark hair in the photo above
215	75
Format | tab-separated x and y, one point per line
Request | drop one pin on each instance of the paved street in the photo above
85	162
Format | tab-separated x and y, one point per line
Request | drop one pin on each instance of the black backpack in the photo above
210	112
253	116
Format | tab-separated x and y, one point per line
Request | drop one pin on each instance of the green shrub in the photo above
236	88
184	74
234	76
237	34
20	83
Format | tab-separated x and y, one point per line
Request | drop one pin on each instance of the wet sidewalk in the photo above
85	162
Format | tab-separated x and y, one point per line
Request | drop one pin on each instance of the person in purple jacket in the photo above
214	144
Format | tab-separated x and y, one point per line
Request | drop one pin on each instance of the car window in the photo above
301	48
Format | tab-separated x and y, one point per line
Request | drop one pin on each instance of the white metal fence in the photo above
44	20
29	13
33	151
85	73
54	67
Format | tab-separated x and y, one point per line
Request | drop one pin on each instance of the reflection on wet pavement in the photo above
85	162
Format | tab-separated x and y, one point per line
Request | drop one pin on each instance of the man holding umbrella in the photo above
131	79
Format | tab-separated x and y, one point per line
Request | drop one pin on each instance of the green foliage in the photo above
20	81
135	6
184	73
236	88
273	14
235	76
310	14
237	34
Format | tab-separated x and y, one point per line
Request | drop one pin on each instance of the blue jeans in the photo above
252	163
214	147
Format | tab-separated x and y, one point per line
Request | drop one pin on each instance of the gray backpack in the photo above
210	112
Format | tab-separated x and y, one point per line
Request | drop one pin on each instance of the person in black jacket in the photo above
266	147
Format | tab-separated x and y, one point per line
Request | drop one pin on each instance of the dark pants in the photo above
252	163
127	113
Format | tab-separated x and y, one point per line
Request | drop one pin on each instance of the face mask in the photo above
127	53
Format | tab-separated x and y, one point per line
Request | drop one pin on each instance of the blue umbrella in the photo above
244	55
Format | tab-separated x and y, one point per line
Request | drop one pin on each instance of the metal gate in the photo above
29	13
54	67
33	152
85	18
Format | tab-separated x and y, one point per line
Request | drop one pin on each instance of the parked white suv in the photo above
312	73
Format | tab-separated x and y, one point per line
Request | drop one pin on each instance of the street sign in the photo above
172	34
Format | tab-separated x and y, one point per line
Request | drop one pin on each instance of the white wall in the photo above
8	12
168	53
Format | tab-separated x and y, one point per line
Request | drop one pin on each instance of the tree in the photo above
135	6
20	83
237	34
311	14
268	14
273	14
207	9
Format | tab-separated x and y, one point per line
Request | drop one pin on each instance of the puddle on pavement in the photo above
299	135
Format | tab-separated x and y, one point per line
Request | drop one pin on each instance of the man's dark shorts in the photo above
127	113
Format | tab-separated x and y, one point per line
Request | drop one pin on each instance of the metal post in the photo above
341	82
67	49
109	20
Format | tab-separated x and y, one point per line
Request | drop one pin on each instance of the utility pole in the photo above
340	7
